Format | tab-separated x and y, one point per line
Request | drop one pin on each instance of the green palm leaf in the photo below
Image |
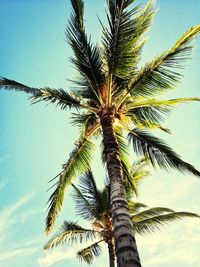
153	224
79	162
13	85
89	203
161	103
148	213
60	97
161	74
88	254
122	42
138	170
147	116
158	152
86	58
135	206
70	232
85	121
149	113
83	206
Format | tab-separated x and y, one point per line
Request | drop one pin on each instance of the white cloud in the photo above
176	245
5	255
9	216
50	258
8	213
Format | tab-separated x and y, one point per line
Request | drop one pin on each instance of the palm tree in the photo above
93	205
114	97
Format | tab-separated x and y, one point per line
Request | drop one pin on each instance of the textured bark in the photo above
111	254
125	244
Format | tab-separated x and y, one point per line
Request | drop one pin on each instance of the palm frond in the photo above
88	200
135	206
86	58
70	232
87	254
138	170
158	152
122	41
148	115
60	97
149	125
13	85
161	103
148	213
79	162
153	224
161	73
83	207
84	121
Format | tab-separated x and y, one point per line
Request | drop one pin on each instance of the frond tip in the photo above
60	97
13	85
79	162
158	152
87	254
70	232
152	224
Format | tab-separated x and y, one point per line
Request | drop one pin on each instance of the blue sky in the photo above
35	140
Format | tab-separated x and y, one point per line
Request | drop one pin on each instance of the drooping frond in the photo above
130	184
85	121
153	224
138	170
13	85
88	254
158	152
149	118
148	115
160	103
86	58
148	213
79	162
89	203
83	207
60	97
70	232
161	73
135	206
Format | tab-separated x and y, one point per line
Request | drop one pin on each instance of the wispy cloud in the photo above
50	258
5	255
9	211
176	245
10	215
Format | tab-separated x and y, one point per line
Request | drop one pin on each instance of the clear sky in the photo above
35	140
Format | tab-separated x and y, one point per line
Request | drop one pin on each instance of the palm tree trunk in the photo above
125	244
111	253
